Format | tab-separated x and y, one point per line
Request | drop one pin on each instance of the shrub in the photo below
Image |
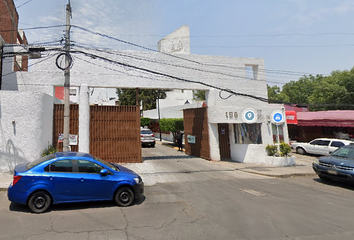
285	149
49	150
144	121
271	150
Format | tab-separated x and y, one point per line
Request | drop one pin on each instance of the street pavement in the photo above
176	168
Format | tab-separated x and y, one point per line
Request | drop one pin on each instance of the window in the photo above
337	144
60	166
277	130
248	133
320	142
72	92
85	166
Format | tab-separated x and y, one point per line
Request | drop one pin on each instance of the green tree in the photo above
199	95
147	96
171	125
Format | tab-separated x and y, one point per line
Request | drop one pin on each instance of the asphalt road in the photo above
206	207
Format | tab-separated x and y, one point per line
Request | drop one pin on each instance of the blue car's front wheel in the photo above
39	202
124	197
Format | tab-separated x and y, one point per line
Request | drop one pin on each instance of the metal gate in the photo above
114	131
196	132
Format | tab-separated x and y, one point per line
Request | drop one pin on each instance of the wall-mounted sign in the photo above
72	138
277	117
191	139
249	115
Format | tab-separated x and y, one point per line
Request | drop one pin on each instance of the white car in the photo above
320	146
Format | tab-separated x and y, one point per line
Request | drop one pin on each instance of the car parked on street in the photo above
319	146
337	166
65	177
147	137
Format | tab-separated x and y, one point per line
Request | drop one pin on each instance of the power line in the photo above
173	77
23	4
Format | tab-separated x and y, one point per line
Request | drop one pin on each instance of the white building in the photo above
26	111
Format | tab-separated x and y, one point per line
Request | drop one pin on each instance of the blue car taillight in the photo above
16	179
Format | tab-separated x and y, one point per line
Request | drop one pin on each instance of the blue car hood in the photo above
338	160
123	169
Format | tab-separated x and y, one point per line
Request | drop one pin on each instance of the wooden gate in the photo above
224	141
58	124
114	131
196	132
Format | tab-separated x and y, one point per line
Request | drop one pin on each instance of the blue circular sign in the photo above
277	117
249	115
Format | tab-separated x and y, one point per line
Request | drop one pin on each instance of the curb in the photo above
281	175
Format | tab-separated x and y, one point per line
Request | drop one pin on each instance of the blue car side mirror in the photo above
104	172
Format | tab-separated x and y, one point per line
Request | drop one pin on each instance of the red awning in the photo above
338	118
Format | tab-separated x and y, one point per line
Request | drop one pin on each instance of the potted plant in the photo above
279	155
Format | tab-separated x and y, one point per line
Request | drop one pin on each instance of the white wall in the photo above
25	127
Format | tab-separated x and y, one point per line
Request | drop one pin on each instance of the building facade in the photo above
236	99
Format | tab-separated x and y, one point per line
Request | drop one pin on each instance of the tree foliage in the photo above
172	125
333	92
144	121
199	95
127	96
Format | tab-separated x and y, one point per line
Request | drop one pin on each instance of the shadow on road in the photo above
73	206
167	157
349	186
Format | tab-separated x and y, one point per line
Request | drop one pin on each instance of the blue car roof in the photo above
73	154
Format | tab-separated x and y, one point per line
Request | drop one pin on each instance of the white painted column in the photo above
84	119
214	142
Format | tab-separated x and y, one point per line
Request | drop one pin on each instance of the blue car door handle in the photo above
51	178
82	180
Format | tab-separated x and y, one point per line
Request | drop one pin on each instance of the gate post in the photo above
84	119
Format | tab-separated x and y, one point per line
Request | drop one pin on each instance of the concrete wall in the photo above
25	127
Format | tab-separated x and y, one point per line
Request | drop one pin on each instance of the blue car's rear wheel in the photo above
39	202
124	197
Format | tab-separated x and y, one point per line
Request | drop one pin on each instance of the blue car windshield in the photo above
344	152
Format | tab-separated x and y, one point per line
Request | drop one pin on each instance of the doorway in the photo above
224	141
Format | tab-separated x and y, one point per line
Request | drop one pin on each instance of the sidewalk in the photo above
163	168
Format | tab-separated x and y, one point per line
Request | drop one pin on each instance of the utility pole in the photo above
67	81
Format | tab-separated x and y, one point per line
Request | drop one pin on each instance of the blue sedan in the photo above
339	165
72	177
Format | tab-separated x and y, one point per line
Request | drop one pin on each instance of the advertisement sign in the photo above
72	138
191	139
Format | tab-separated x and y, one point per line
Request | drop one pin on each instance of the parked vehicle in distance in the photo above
337	166
72	177
147	137
319	146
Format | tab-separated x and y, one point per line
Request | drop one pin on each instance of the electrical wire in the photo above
173	77
23	4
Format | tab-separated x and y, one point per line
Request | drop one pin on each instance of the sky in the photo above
294	37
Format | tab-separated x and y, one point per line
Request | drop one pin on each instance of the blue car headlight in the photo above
317	161
137	180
